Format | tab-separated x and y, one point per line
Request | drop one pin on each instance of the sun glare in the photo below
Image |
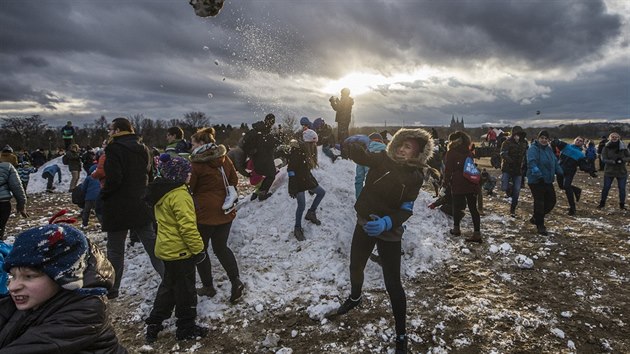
360	83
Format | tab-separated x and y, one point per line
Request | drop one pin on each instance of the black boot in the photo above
299	233
571	211
312	217
191	332
578	193
152	333
542	230
208	291
237	290
401	344
513	211
601	205
348	305
622	206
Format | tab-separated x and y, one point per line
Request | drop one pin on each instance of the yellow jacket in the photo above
178	237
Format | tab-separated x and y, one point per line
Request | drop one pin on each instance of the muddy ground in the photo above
575	298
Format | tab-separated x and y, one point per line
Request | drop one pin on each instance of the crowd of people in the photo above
181	201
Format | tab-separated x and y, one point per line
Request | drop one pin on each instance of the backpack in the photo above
471	172
78	196
64	159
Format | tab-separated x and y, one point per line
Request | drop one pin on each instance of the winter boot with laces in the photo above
152	333
237	290
230	200
191	332
401	344
312	217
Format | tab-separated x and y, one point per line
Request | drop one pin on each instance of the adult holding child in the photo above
213	186
615	156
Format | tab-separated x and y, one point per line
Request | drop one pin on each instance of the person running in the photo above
213	186
542	166
386	202
301	179
615	156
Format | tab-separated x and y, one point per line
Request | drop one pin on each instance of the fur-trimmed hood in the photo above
423	138
208	152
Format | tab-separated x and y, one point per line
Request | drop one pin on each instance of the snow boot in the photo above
401	344
455	231
622	206
542	230
208	291
191	332
348	305
151	334
254	196
230	200
571	212
476	237
299	233
601	205
578	193
237	290
312	217
263	195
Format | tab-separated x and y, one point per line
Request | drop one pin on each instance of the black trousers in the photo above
50	179
362	246
459	204
342	131
177	290
544	200
570	190
217	235
5	212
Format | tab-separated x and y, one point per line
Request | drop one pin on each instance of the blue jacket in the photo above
570	155
4	251
542	164
53	169
591	152
91	186
361	171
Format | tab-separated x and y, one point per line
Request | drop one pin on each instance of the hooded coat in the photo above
611	153
454	169
392	184
207	186
542	164
513	152
265	145
128	168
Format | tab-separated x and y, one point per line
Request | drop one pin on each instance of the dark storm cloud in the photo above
13	91
33	61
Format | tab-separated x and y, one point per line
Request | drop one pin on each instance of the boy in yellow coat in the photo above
180	246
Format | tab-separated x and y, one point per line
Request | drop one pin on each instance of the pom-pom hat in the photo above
174	168
58	250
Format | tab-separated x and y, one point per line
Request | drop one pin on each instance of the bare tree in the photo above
23	131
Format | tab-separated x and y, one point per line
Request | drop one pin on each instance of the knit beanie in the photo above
543	133
305	121
376	136
58	250
174	168
7	148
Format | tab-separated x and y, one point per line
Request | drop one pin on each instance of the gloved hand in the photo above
378	225
199	257
353	149
619	161
293	187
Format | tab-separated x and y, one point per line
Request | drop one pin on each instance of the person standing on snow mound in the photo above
127	169
392	185
343	107
259	144
57	302
67	134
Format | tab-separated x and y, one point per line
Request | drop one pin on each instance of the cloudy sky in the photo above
411	62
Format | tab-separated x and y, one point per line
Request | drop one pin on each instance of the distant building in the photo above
456	124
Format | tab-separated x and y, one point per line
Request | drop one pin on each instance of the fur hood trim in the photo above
208	152
423	138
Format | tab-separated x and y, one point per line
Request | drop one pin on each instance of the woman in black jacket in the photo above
392	185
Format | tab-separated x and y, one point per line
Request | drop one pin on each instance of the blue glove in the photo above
377	225
536	171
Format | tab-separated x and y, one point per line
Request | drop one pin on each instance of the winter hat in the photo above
305	121
318	123
543	133
7	148
376	136
58	250
270	119
175	168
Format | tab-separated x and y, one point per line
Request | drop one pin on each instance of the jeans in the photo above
217	235
362	246
544	200
177	290
517	181
301	200
116	251
621	184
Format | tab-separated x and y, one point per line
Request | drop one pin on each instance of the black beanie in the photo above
543	133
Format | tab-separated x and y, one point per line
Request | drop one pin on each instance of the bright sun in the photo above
360	83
